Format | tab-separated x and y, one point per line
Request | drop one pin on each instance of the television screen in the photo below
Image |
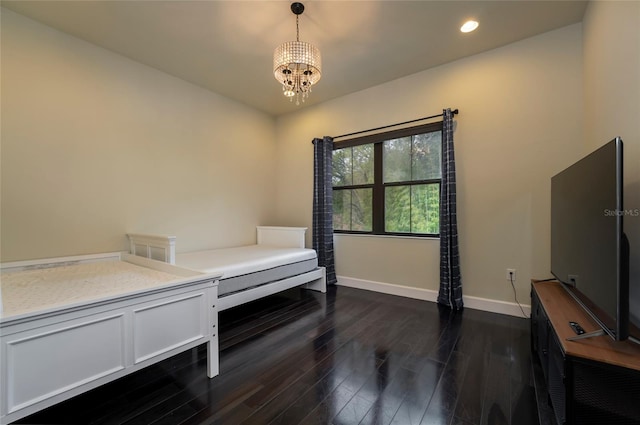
588	248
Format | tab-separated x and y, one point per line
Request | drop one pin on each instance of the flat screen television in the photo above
589	250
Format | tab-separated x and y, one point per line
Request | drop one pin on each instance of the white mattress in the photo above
243	260
43	288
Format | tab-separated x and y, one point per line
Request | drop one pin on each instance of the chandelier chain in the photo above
297	28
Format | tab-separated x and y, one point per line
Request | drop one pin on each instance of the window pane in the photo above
410	207
342	171
425	208
396	160
397	209
425	161
353	210
362	164
342	209
361	209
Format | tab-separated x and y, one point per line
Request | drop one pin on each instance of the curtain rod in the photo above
454	112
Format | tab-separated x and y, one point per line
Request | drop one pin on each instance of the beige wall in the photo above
95	145
520	122
612	104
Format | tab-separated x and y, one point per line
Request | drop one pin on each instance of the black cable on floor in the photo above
515	296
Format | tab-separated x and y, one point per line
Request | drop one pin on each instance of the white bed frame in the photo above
51	355
162	248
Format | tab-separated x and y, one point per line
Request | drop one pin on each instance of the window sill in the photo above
367	235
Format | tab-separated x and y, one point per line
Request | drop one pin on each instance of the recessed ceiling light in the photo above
469	26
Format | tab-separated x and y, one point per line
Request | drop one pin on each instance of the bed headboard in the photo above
288	237
163	248
156	247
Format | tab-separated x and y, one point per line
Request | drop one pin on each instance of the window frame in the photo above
378	186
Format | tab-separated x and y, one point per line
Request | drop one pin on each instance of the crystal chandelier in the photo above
297	64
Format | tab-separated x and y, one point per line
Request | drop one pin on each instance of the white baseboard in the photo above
389	288
476	303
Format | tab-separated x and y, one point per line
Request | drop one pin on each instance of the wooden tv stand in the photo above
589	381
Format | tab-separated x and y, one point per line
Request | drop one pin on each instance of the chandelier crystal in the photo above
297	65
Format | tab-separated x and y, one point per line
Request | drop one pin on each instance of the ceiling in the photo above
227	46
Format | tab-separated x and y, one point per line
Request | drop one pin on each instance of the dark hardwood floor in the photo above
347	357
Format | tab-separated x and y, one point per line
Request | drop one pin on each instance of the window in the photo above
389	183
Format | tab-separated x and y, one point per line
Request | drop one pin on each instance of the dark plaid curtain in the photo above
450	293
323	206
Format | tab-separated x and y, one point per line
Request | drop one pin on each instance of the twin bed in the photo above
71	324
278	261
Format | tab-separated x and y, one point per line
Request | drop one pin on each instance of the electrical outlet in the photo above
511	275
